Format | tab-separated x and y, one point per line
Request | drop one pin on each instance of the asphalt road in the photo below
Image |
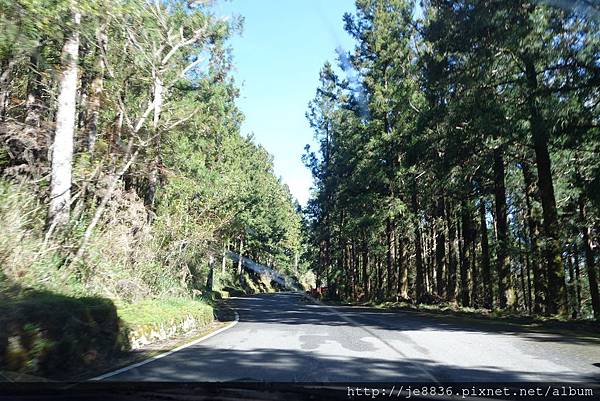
280	337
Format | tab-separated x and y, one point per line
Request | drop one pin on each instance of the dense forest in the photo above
457	169
458	156
123	172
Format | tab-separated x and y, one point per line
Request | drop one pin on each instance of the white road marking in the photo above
145	361
423	370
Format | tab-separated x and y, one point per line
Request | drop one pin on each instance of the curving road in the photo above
281	337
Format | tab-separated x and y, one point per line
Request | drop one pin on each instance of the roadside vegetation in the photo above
457	167
458	157
124	179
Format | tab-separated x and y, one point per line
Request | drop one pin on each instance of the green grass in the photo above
164	311
55	335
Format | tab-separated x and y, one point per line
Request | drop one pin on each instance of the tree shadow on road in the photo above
291	310
231	362
203	363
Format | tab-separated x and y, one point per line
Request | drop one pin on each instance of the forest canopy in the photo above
458	156
123	171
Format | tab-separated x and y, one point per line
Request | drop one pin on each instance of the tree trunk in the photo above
224	257
539	278
240	253
402	269
96	89
529	291
5	80
365	268
211	273
419	279
522	274
62	149
440	250
379	279
352	267
577	277
589	260
33	115
320	267
429	240
327	259
343	268
467	234
461	255
296	261
485	258
501	227
452	261
154	174
571	288
389	257
556	299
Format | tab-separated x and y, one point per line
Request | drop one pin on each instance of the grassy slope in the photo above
49	334
163	311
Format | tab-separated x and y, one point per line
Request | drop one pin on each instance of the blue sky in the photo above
278	57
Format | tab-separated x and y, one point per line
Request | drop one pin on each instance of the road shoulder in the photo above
226	319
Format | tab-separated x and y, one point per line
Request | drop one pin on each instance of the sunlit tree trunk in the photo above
153	178
224	257
240	254
62	148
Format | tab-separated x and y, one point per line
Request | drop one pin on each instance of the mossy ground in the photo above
164	311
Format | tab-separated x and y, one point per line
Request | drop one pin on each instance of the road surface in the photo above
281	337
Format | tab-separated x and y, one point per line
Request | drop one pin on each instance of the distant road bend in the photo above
281	337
